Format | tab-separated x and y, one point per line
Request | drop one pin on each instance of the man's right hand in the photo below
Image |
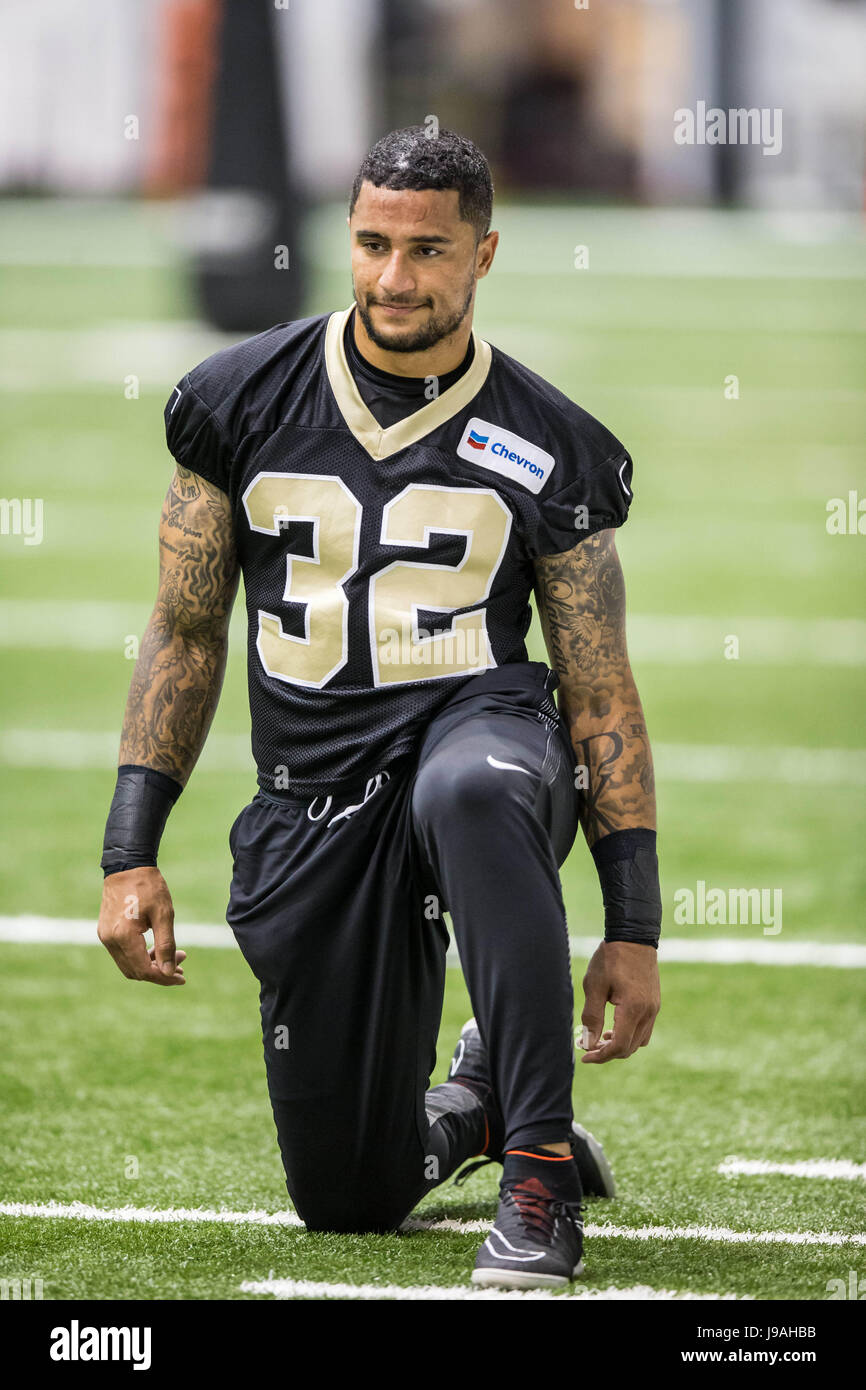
133	902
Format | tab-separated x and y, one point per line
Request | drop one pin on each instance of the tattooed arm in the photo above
179	673
581	604
172	698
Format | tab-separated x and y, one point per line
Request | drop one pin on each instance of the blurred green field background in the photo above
727	532
761	761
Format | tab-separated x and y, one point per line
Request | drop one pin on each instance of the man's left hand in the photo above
627	975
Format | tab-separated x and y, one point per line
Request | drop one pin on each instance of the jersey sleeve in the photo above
194	436
595	497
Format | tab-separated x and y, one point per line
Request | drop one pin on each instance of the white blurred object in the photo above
328	64
804	57
72	74
70	77
809	57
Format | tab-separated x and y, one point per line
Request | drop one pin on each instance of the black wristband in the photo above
136	820
628	870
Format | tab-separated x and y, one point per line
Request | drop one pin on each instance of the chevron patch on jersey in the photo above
490	446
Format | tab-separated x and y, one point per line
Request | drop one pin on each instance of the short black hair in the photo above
417	158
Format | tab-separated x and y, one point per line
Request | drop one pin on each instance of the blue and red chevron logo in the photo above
477	441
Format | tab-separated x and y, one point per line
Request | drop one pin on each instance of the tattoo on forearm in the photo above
181	663
581	601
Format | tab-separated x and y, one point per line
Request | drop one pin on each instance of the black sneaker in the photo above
536	1241
596	1177
470	1068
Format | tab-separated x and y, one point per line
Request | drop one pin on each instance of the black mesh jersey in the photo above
383	567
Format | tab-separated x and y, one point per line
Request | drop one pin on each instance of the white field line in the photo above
43	361
410	1293
666	639
647	253
159	352
81	1211
728	950
83	257
673	639
832	1168
804	767
655	241
62	931
723	1235
86	625
764	267
47	359
714	1234
79	750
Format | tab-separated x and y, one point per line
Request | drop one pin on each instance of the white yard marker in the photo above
447	1224
81	1211
731	950
723	1235
722	950
715	1234
308	1288
75	750
79	750
62	931
672	639
663	639
842	1168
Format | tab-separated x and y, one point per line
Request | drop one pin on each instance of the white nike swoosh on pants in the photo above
512	767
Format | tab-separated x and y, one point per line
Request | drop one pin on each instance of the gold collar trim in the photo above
382	443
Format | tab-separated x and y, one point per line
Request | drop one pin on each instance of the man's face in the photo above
414	265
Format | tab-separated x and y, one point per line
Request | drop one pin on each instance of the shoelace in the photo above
539	1209
374	784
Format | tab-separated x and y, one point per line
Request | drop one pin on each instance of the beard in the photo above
419	339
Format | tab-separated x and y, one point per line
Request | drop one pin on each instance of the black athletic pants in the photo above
340	918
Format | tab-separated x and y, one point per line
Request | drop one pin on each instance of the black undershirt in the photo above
390	398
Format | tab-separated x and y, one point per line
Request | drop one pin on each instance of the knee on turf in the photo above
351	1213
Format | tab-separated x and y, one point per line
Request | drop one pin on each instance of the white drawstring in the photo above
374	784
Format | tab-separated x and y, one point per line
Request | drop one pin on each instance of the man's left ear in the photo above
486	251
